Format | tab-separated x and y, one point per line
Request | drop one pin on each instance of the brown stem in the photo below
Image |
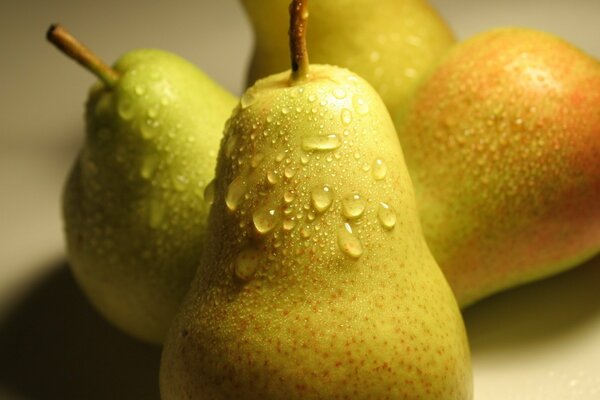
298	20
73	48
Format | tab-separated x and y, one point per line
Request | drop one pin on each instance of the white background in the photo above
539	342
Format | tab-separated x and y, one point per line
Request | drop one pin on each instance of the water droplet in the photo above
339	93
139	90
348	242
230	145
304	159
346	116
152	112
312	98
209	192
180	182
235	193
386	216
289	172
256	160
280	157
353	206
305	232
285	110
125	109
374	56
149	165
157	213
247	263
288	196
248	98
148	128
321	142
379	170
272	177
360	105
289	224
265	219
321	196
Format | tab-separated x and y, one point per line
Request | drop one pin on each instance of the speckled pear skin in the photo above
133	206
309	286
503	145
392	44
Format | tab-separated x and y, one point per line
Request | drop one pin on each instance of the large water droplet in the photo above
321	142
386	216
256	160
379	169
321	196
248	98
157	213
346	115
289	172
272	177
235	193
289	224
288	196
265	219
360	105
230	145
125	109
209	192
149	164
305	232
353	206
348	242
339	93
247	263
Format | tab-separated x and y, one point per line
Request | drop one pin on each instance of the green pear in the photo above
316	281
392	44
136	201
503	146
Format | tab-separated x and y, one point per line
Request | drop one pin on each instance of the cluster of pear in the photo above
284	245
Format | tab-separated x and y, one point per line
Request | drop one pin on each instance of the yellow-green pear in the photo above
503	145
392	44
315	282
136	201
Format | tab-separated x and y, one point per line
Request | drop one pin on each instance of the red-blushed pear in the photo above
316	281
503	146
390	43
134	207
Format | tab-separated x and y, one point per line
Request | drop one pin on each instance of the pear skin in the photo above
133	206
503	145
392	44
316	281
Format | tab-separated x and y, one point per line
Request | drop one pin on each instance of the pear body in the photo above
134	207
503	145
392	44
315	282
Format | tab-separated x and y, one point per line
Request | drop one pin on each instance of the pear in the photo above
392	44
503	146
316	281
137	198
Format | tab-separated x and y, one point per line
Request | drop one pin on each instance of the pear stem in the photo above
74	49
297	32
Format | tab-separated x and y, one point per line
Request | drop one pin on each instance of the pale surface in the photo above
538	342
